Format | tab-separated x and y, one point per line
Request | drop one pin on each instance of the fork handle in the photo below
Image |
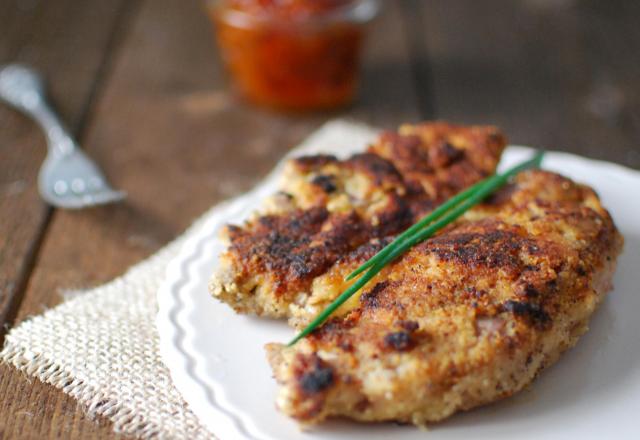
23	88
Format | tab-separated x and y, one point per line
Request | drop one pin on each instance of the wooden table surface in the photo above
141	86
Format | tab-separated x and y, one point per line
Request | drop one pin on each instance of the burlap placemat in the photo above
102	347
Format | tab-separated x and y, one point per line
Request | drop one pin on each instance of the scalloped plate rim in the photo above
205	395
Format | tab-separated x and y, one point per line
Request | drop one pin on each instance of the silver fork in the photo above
67	178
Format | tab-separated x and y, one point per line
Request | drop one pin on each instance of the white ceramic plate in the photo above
217	360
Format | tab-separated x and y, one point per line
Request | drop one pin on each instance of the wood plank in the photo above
43	34
558	74
169	132
33	412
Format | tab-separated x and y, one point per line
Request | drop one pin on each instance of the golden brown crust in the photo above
295	248
329	207
458	156
465	318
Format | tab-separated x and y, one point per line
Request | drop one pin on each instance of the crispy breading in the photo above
328	207
460	156
467	317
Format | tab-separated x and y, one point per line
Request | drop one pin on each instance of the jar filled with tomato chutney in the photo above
293	54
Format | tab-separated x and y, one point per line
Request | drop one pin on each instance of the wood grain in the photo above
36	411
558	74
44	35
168	130
141	85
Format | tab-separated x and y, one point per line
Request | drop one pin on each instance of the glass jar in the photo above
293	54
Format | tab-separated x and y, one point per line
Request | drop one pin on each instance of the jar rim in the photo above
357	11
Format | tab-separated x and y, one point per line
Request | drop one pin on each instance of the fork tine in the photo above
79	201
105	197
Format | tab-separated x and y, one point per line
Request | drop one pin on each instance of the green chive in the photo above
322	317
416	227
425	228
442	209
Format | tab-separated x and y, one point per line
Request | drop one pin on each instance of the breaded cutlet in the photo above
467	317
327	208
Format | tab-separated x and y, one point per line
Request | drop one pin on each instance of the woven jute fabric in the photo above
102	346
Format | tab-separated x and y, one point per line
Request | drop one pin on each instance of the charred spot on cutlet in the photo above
446	155
399	341
317	380
313	374
396	217
534	314
530	291
326	182
307	163
369	299
376	167
362	404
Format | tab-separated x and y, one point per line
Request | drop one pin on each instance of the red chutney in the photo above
290	54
